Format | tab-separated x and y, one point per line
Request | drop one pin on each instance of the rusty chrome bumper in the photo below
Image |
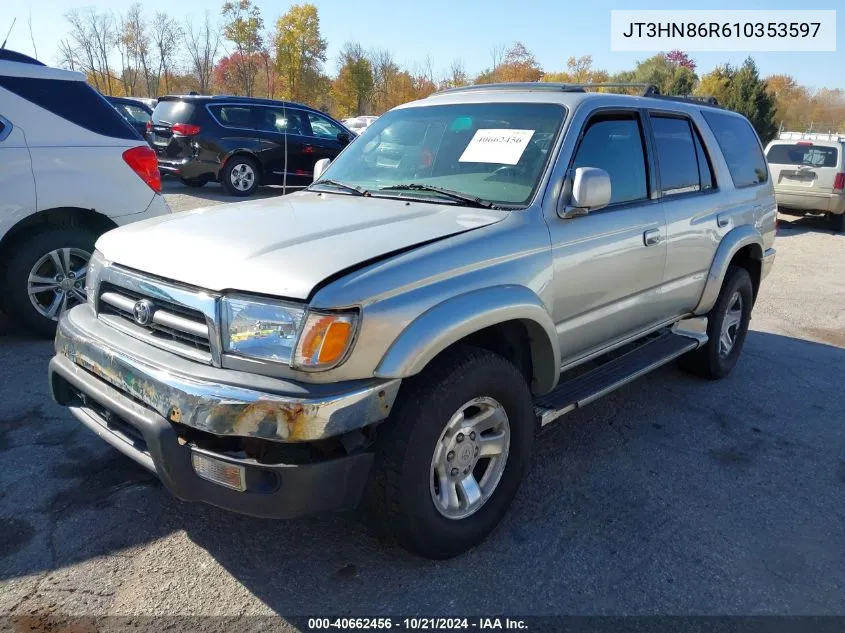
219	401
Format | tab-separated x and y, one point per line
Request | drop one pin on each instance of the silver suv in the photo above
474	266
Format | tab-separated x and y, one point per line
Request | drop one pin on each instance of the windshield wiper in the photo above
473	201
342	185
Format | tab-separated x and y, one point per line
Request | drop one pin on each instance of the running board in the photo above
582	390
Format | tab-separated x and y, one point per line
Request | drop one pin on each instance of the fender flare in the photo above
736	239
452	320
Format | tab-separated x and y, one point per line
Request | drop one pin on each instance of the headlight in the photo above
261	329
287	333
92	277
325	339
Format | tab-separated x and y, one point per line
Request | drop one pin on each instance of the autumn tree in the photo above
88	46
579	70
680	58
517	64
203	44
166	40
353	87
300	51
242	26
742	90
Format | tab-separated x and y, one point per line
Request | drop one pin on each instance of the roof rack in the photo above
811	136
648	90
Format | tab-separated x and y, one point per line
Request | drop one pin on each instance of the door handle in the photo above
651	237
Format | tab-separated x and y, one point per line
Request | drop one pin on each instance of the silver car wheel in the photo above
57	281
730	325
242	177
469	458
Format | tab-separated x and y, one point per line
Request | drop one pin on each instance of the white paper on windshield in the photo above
504	147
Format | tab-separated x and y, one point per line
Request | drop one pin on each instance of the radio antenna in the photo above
8	33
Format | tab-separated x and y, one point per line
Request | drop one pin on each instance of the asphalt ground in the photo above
672	495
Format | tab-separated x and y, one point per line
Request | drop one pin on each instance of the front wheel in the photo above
45	275
727	326
453	453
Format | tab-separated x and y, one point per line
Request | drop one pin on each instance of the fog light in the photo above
223	473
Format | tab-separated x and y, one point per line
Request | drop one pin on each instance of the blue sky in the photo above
444	30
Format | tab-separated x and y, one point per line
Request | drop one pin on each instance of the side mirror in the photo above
590	191
320	167
343	137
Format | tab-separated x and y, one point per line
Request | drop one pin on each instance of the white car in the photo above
359	123
808	170
71	168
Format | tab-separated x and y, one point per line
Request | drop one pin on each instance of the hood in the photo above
282	246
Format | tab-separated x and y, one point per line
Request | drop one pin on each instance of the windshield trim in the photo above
544	174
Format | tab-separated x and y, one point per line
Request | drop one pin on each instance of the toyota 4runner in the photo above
474	266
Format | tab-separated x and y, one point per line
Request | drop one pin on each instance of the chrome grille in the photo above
175	327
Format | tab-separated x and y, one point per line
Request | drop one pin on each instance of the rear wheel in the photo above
45	275
727	326
837	222
240	176
453	453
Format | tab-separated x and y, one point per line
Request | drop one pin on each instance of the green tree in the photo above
242	26
670	77
300	51
742	90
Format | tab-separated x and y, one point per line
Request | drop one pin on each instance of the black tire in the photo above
194	182
837	222
399	491
234	163
21	261
707	361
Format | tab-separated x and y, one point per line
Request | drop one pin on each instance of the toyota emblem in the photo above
142	312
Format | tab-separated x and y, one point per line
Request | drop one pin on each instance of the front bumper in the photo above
147	412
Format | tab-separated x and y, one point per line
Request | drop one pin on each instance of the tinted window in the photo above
615	144
132	113
803	154
322	127
173	111
240	116
705	169
740	147
278	120
681	158
74	101
676	157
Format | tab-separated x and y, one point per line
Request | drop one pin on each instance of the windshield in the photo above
495	152
803	154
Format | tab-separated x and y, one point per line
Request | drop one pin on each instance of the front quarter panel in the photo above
414	304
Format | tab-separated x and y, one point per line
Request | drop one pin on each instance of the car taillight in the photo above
839	182
143	162
149	127
185	129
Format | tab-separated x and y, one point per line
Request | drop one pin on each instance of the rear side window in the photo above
682	163
740	147
74	101
133	113
614	143
279	120
239	116
803	154
169	112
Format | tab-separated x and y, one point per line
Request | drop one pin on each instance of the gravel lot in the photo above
671	496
